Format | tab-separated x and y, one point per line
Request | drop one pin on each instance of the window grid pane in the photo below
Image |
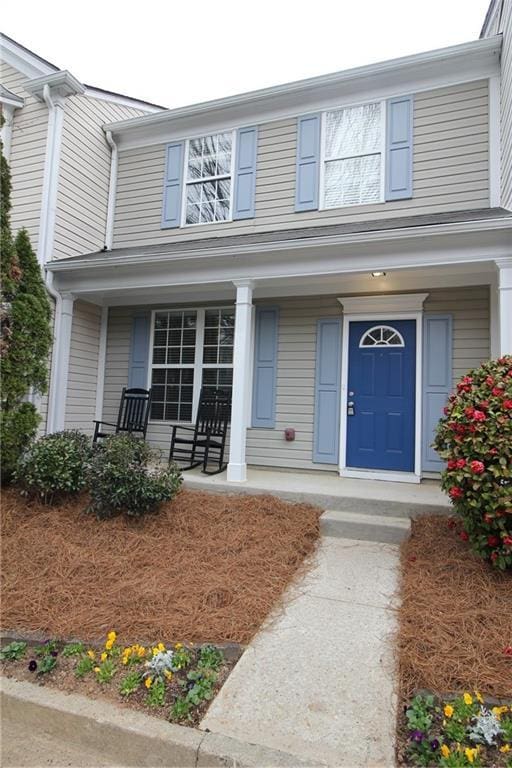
174	359
208	191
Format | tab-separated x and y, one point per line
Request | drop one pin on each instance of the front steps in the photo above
361	526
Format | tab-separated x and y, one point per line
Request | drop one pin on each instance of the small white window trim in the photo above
197	365
323	127
379	327
212	178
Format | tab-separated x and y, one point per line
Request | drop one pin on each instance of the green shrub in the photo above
121	481
475	437
55	466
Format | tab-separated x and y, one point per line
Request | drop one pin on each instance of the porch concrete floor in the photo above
323	488
318	680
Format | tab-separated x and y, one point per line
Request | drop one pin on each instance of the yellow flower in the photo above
109	644
178	646
142	650
499	711
168	674
505	748
471	754
112	636
445	750
155	651
161	647
124	660
147	682
96	669
104	656
91	654
479	697
468	699
448	710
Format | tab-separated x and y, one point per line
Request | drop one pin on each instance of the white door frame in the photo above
381	308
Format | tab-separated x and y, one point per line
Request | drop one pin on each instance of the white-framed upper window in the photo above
190	349
208	179
353	155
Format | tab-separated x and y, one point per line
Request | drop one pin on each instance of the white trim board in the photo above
378	308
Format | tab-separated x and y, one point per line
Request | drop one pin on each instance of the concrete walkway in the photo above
318	681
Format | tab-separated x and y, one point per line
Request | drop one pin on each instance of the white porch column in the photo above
242	353
505	305
60	364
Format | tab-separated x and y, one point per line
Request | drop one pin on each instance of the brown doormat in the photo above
206	567
455	619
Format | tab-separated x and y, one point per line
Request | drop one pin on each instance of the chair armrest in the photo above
108	423
179	426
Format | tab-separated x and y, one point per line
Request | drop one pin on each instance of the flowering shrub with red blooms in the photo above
475	438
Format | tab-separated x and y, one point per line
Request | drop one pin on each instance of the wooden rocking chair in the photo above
132	417
207	437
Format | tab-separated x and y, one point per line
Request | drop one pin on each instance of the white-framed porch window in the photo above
190	349
208	188
353	155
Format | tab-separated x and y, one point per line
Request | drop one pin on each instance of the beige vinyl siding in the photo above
28	150
296	367
450	173
83	367
506	107
84	175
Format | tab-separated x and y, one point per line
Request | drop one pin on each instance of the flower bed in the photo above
460	731
173	682
455	636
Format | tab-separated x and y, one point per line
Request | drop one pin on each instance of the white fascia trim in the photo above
495	141
462	63
62	83
123	101
395	303
9	99
279	245
24	61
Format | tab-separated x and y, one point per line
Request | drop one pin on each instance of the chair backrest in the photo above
214	411
134	410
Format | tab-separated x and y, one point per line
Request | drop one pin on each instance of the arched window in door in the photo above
382	336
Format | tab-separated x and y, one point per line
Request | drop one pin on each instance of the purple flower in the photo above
417	736
32	665
55	653
434	745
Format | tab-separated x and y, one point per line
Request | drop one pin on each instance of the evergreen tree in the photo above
25	334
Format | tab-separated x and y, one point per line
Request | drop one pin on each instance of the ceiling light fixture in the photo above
378	274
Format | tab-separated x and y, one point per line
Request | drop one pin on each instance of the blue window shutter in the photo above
437	382
245	173
265	367
173	185
399	148
308	163
327	392
139	350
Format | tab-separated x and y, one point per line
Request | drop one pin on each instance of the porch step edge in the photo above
364	527
350	504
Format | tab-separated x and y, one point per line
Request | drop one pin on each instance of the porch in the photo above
276	327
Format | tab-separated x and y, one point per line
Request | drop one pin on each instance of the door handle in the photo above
350	408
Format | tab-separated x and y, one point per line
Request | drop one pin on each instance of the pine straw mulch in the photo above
455	618
206	567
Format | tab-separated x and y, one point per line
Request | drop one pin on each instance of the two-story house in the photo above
337	251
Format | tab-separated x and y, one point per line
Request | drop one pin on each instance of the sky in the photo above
182	52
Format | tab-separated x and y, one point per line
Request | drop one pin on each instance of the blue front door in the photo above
381	395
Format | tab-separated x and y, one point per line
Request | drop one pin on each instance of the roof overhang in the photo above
8	98
61	83
311	259
409	74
